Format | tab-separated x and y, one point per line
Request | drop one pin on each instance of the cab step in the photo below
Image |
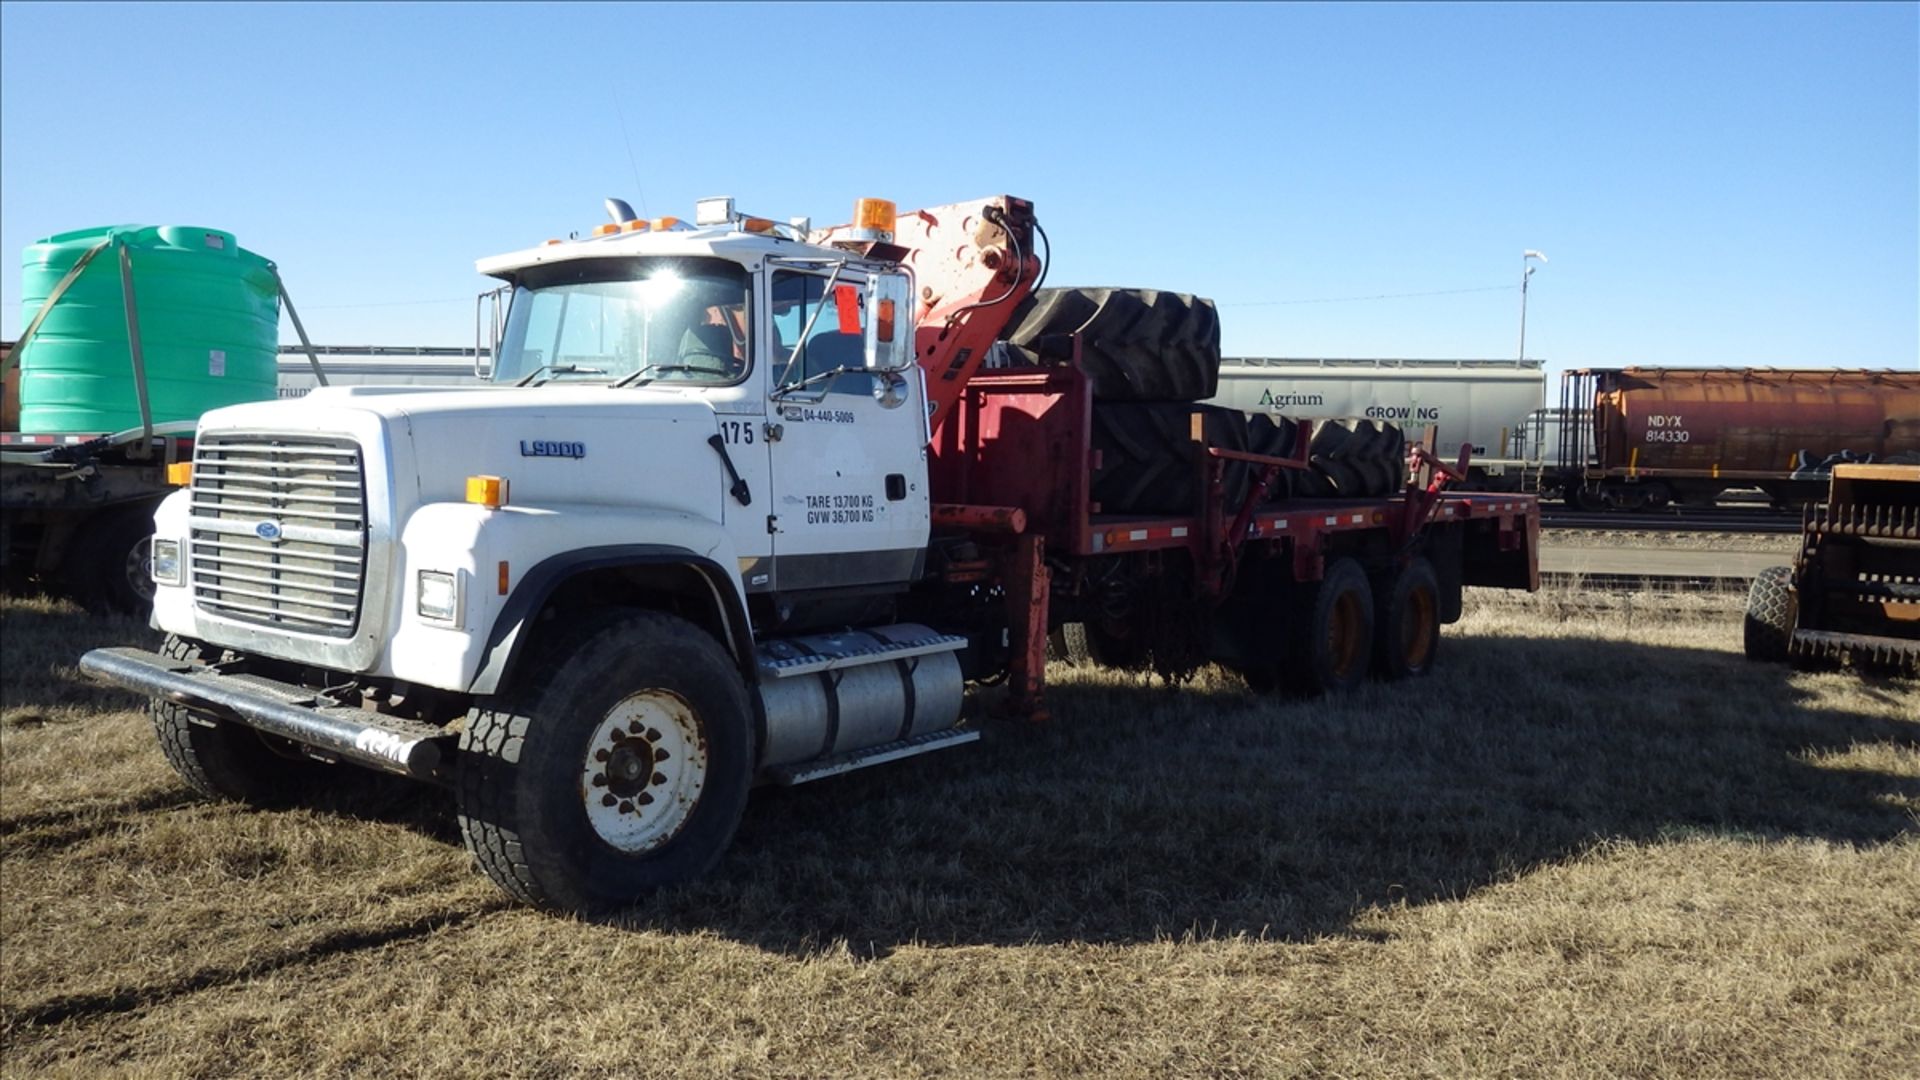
789	775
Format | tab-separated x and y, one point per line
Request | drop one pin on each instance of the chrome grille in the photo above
280	530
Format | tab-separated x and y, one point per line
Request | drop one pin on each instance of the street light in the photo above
1526	271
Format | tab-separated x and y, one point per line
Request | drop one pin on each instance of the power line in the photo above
1379	296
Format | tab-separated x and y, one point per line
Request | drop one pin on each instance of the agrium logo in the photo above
1271	400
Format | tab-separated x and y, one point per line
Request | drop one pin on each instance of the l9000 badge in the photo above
544	448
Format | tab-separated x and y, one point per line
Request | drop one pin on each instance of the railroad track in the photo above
1673	520
1649	582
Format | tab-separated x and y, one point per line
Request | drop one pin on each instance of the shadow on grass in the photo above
40	645
1143	813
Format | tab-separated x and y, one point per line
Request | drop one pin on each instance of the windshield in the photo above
656	318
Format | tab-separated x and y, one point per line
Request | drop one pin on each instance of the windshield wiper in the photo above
629	380
558	369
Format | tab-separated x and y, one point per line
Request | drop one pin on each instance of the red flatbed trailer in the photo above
1013	467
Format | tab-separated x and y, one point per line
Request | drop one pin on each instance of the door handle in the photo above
739	486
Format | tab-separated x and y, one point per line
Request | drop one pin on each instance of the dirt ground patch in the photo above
1598	843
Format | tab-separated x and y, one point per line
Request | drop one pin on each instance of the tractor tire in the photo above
220	759
1406	623
1135	344
106	571
621	765
1772	610
1392	454
1334	462
1146	466
1328	632
1272	437
1356	459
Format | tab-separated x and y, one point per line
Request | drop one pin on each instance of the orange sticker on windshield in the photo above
846	302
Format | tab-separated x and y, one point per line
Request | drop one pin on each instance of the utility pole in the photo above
1526	271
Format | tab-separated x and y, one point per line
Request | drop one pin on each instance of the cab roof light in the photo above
636	225
606	230
873	220
756	225
663	223
487	491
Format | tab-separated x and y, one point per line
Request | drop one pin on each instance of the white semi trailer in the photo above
377	365
1483	402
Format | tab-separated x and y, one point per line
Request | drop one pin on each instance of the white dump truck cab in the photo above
745	402
601	595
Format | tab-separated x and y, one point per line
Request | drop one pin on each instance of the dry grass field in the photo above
1599	843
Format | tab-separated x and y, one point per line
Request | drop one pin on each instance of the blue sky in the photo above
1715	184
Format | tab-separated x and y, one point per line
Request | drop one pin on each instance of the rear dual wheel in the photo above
1329	636
1407	623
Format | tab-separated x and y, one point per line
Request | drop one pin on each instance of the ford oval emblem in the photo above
267	530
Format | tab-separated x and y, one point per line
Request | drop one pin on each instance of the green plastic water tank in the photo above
209	328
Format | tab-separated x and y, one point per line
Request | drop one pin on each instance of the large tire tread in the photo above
1768	629
517	785
224	760
1135	344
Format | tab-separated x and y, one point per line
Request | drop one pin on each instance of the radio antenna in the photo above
638	190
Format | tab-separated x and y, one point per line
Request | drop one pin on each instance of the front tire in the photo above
622	767
221	759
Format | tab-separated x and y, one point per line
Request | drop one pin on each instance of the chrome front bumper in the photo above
329	729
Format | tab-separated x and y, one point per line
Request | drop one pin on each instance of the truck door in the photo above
850	457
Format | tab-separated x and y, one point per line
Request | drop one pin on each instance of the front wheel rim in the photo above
644	771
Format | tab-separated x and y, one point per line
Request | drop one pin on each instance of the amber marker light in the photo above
487	491
180	473
606	230
878	214
504	577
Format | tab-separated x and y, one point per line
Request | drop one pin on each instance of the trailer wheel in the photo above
1407	623
1329	632
1116	646
1273	437
221	759
1068	645
622	767
1135	344
1771	612
107	568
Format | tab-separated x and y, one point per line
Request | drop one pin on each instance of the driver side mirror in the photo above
889	336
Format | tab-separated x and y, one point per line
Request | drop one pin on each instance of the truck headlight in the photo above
165	562
438	596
